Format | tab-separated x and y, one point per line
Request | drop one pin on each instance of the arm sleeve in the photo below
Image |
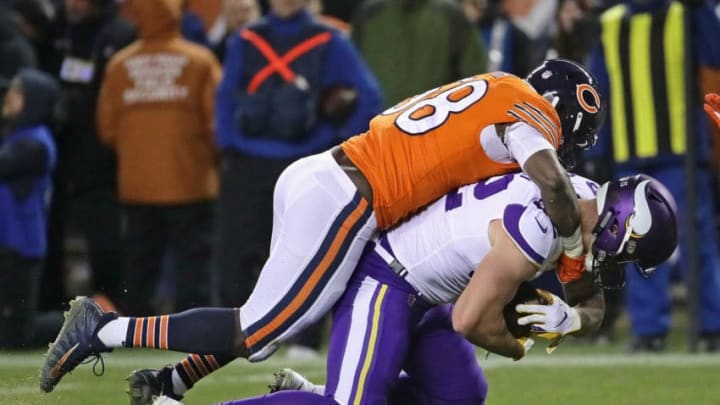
345	66
224	99
23	158
522	141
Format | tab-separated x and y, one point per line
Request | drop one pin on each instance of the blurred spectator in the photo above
533	17
207	10
292	87
36	20
85	188
192	27
652	55
27	158
15	50
509	49
578	30
317	9
414	45
343	10
156	110
236	14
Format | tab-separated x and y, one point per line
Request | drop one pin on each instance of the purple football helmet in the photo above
637	223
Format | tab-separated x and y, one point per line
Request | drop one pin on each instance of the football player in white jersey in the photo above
473	248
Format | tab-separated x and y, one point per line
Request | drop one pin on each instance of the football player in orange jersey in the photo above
327	207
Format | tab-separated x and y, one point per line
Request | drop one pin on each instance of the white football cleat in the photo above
289	379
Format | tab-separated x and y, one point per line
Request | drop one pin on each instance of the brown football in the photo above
526	294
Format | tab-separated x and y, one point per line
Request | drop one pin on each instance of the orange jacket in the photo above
156	110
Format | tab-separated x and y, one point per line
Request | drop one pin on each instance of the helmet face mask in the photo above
574	93
609	271
637	224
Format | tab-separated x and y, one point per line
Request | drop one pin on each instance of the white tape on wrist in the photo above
572	245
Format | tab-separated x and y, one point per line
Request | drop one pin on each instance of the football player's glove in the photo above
526	294
550	321
527	344
712	107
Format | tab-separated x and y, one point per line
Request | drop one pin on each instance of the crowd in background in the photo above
145	136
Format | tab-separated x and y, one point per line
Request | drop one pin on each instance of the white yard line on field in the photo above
605	360
140	360
262	372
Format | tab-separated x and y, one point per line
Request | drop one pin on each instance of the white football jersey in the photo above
441	246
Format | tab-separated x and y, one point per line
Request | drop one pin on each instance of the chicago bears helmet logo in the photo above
584	88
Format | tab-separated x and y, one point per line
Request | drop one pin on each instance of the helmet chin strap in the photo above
589	257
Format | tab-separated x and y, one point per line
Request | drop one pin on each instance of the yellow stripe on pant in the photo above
611	21
674	69
371	344
641	84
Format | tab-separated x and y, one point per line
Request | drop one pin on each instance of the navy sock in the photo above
196	366
202	331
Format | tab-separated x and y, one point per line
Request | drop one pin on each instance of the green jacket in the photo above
415	45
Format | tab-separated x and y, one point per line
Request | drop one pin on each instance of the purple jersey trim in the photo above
511	221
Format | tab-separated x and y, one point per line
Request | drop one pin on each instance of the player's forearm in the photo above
504	344
587	298
556	190
561	205
494	338
591	313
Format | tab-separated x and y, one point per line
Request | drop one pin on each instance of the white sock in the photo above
317	389
113	333
179	387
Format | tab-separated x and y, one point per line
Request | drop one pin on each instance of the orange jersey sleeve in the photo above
422	148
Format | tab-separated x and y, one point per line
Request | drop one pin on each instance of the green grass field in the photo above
574	374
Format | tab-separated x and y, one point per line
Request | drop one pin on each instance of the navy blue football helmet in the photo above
574	93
